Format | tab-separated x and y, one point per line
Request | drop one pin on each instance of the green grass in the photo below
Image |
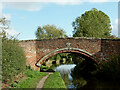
33	78
54	81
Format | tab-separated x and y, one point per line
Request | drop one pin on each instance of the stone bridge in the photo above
37	51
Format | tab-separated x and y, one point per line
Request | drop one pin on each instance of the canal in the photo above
72	80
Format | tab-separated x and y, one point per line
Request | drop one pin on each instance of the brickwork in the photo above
30	52
35	50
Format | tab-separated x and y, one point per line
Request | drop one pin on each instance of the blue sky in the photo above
26	17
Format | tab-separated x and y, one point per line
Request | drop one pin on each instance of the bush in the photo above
13	59
110	69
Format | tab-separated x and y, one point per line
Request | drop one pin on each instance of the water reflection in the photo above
71	81
65	71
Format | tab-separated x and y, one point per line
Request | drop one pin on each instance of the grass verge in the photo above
54	81
32	79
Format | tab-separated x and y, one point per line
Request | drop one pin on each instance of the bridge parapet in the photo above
35	50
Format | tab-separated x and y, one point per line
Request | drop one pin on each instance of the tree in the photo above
4	24
49	31
13	60
92	23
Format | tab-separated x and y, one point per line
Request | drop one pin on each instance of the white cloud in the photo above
33	5
117	21
45	1
12	32
29	6
115	27
67	2
115	30
7	16
97	1
60	1
36	5
102	0
112	26
1	7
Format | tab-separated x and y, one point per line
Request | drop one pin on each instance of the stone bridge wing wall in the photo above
110	48
29	47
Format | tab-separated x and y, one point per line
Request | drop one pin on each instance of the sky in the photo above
26	16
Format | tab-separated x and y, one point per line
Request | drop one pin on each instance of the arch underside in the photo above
66	50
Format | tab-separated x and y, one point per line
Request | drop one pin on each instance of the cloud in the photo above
29	6
67	2
36	5
101	1
112	26
115	30
48	1
115	27
60	1
1	7
97	1
117	21
12	32
7	16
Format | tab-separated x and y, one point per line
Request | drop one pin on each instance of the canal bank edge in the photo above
54	81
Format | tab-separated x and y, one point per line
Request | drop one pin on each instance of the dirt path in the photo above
41	82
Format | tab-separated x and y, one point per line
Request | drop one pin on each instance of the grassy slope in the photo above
33	78
54	81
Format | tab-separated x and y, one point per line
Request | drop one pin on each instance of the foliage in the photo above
113	37
79	81
29	67
56	57
49	31
92	23
60	56
13	59
77	59
110	69
4	26
43	67
4	23
54	81
84	68
33	77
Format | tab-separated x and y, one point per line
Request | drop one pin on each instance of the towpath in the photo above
42	81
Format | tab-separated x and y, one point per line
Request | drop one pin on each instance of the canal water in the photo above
73	82
65	71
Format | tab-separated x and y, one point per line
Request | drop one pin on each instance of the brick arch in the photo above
66	50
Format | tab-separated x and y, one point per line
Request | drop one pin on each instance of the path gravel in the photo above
41	82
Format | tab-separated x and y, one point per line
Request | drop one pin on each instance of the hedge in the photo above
13	59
